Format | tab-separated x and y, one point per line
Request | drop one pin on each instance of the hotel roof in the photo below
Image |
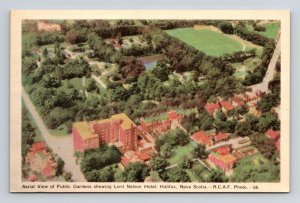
127	123
84	130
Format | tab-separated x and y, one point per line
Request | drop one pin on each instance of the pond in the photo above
149	65
150	62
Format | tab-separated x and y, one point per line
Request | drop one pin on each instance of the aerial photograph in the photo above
142	100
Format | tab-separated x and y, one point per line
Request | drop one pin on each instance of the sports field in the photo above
210	42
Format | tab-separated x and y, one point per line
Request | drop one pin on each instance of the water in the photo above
149	65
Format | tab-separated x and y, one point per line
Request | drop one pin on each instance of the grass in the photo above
271	29
210	42
193	177
250	64
77	83
198	173
155	176
179	152
60	131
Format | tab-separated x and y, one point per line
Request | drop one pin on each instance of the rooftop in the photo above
127	123
211	107
84	130
226	105
228	158
272	134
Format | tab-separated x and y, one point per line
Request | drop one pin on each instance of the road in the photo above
99	81
62	146
263	86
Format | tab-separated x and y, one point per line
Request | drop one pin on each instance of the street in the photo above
62	146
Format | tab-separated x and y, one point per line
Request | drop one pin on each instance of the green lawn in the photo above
179	152
271	29
155	176
250	64
210	42
60	130
198	173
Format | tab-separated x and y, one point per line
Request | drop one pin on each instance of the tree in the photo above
158	163
91	86
60	166
185	163
267	121
96	159
103	175
45	53
265	145
68	176
200	151
218	176
226	27
243	129
268	101
135	172
178	175
221	115
76	36
166	150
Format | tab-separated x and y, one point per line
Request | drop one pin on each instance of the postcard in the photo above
150	101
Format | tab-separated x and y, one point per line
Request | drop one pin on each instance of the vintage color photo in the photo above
150	101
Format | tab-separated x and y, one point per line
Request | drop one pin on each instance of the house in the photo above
244	152
237	101
274	135
48	27
222	150
38	146
211	107
160	123
224	162
221	137
226	106
202	138
174	116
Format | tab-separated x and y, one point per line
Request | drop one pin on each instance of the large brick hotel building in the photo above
118	129
135	142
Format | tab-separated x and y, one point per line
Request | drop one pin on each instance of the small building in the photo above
224	162
272	134
226	106
237	101
221	137
223	150
202	138
211	107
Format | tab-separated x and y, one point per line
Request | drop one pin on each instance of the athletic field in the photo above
211	42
